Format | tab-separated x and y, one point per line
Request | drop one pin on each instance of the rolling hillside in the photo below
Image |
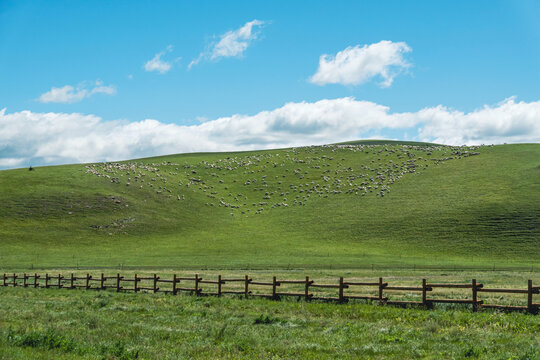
341	206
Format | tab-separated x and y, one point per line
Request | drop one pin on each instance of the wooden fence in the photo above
276	289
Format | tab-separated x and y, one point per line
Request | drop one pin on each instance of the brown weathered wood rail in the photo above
288	288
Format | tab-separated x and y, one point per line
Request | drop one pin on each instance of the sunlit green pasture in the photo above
313	207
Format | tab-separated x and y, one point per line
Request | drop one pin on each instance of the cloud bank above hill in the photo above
29	138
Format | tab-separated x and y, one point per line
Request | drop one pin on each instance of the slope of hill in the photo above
386	142
334	206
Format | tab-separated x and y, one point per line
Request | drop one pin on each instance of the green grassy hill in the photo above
340	206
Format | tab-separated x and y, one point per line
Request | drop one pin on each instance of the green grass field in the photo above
362	209
341	206
72	324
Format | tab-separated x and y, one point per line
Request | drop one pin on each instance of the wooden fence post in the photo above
88	277
46	280
102	282
274	288
14	280
381	287
219	286
36	277
5	278
156	278
174	284
197	279
135	286
341	298
424	292
60	277
72	282
246	287
307	288
117	282
24	280
474	296
530	307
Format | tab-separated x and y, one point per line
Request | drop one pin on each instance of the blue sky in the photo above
81	76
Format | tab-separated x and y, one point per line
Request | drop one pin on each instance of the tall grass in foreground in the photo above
63	324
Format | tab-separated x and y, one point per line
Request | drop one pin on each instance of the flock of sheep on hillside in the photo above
255	182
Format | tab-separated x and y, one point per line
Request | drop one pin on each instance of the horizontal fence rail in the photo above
276	289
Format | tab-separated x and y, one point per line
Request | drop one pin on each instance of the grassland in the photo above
71	324
404	211
340	206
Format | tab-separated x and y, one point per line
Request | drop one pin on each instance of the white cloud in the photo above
508	121
30	138
156	64
69	94
357	65
11	162
65	94
232	43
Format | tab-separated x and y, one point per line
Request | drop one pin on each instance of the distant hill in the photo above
343	205
387	142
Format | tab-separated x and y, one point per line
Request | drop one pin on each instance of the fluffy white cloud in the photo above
69	94
156	64
11	162
357	65
508	121
28	138
232	43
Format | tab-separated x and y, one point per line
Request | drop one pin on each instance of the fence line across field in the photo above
245	286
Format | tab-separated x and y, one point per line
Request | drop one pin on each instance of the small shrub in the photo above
473	352
92	323
118	351
47	339
266	320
